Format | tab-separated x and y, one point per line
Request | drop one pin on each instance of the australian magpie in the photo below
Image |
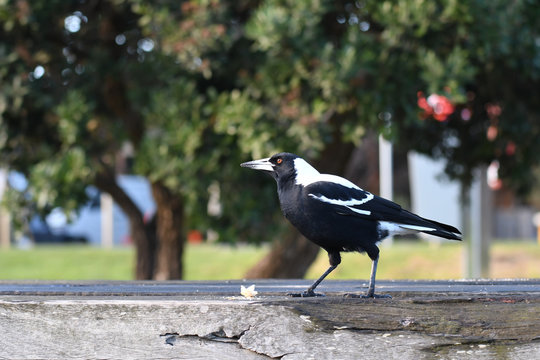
339	216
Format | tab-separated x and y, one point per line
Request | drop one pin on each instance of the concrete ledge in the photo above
210	320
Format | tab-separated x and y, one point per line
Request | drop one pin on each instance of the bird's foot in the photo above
368	296
307	293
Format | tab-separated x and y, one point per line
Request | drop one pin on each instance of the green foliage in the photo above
199	86
174	129
486	58
61	179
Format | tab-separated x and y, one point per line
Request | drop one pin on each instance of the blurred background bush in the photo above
123	122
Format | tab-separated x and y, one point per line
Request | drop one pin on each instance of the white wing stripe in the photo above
401	229
347	203
363	212
415	227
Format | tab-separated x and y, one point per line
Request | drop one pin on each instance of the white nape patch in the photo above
337	180
401	229
346	203
307	174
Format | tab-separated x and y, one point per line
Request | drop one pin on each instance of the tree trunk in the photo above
292	256
143	236
363	165
170	225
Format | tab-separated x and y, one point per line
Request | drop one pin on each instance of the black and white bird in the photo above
339	216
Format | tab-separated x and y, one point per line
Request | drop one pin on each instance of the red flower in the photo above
435	105
510	148
492	132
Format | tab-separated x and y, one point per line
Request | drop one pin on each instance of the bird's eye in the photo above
279	161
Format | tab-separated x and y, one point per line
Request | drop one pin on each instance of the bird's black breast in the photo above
322	224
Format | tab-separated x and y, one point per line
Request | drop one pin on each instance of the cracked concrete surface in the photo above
409	326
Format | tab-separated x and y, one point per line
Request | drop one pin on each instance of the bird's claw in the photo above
368	296
307	293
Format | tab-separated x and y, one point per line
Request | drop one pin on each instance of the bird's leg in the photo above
309	292
371	287
335	259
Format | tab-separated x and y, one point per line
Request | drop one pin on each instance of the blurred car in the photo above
85	226
42	233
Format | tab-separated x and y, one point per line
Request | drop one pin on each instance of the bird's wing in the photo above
353	201
348	199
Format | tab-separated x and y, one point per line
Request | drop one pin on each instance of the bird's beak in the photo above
262	164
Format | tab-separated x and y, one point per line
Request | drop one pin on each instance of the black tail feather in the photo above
444	230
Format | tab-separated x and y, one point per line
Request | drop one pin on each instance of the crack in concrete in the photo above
217	336
171	338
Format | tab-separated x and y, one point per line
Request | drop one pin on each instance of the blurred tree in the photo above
368	64
199	86
66	110
473	71
83	78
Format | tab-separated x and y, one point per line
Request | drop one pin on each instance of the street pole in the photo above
107	237
478	239
385	174
5	221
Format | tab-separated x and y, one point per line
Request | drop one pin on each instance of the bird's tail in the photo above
433	227
446	231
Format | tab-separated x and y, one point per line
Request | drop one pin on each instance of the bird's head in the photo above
279	165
